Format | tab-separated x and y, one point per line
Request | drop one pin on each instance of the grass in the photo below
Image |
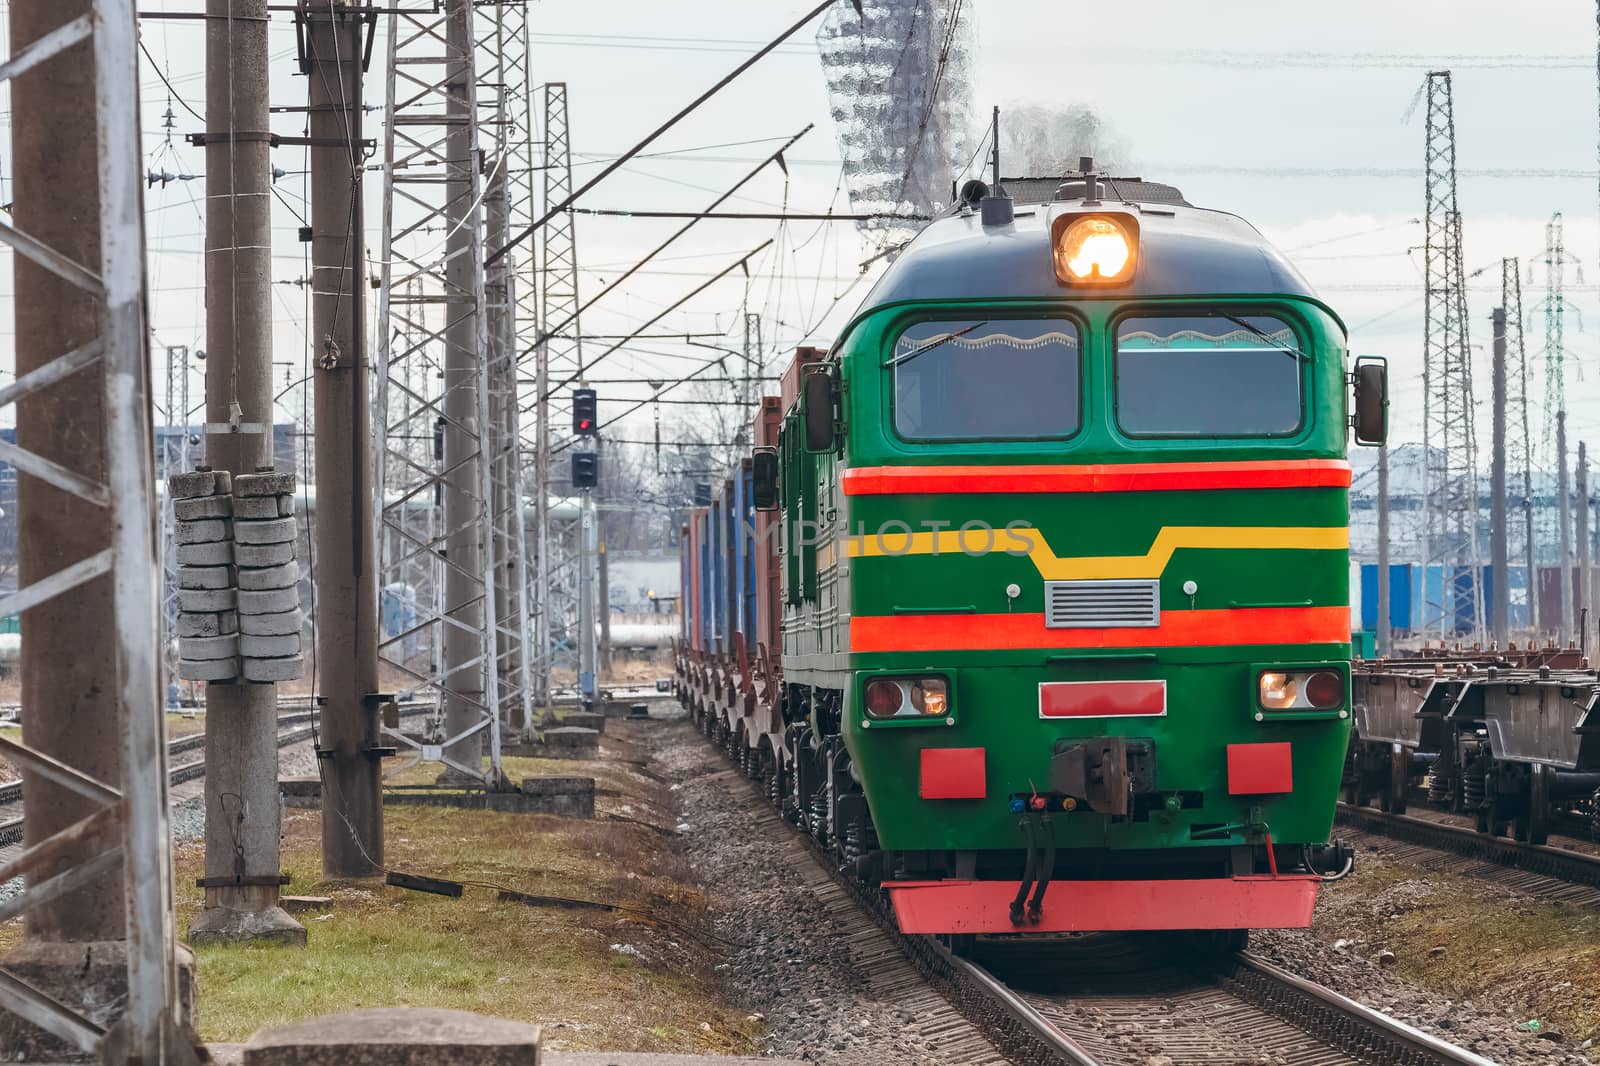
383	946
1537	959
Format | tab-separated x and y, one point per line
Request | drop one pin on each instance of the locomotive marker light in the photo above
1096	249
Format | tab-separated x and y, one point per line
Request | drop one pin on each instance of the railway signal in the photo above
585	417
585	470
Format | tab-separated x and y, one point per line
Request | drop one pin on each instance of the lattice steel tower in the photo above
1450	526
1520	449
434	389
558	357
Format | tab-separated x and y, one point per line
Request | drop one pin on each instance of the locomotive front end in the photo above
1068	642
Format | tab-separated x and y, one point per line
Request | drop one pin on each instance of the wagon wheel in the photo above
1533	825
1394	791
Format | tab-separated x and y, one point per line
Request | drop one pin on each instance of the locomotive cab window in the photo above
1210	375
991	379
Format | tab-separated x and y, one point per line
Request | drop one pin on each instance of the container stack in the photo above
268	577
208	618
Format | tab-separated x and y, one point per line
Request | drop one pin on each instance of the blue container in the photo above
1399	596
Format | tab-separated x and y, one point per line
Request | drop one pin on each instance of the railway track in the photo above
1102	1000
293	728
1541	870
1112	998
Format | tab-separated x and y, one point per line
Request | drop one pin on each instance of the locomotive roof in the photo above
1184	250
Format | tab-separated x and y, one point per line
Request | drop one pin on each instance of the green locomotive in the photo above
1056	632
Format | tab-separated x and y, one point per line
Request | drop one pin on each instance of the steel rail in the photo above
1410	1039
1562	864
1042	1028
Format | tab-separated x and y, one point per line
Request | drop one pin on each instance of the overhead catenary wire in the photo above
718	276
650	138
775	157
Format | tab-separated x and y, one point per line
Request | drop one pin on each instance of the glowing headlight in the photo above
1310	690
907	697
1094	249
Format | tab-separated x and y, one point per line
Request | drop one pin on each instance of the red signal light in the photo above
883	698
1325	690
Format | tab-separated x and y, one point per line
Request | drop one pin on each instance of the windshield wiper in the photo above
1293	353
931	345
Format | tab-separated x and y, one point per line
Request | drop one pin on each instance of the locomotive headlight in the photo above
1307	690
1094	249
1278	691
907	697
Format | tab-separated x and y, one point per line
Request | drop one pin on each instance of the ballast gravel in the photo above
796	971
1341	953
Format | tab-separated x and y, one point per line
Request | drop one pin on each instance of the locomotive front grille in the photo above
1101	604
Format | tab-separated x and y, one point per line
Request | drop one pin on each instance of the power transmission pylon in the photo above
506	104
1450	525
1556	307
558	357
433	235
1520	448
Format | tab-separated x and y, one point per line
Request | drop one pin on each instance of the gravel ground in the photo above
1343	950
797	972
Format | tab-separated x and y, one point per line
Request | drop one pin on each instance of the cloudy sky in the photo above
1303	124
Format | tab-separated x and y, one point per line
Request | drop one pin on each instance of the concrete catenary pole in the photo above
464	588
1499	549
503	397
586	553
1585	606
241	719
69	669
1385	636
346	594
1565	504
603	603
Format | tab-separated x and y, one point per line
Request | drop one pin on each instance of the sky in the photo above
1303	123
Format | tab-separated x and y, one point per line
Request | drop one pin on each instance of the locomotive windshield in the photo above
994	379
1208	376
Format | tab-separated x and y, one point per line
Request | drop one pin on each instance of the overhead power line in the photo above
741	264
653	135
755	216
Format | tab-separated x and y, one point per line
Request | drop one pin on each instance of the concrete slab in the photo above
652	1058
397	1036
570	742
569	796
302	792
585	720
305	904
233	1055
